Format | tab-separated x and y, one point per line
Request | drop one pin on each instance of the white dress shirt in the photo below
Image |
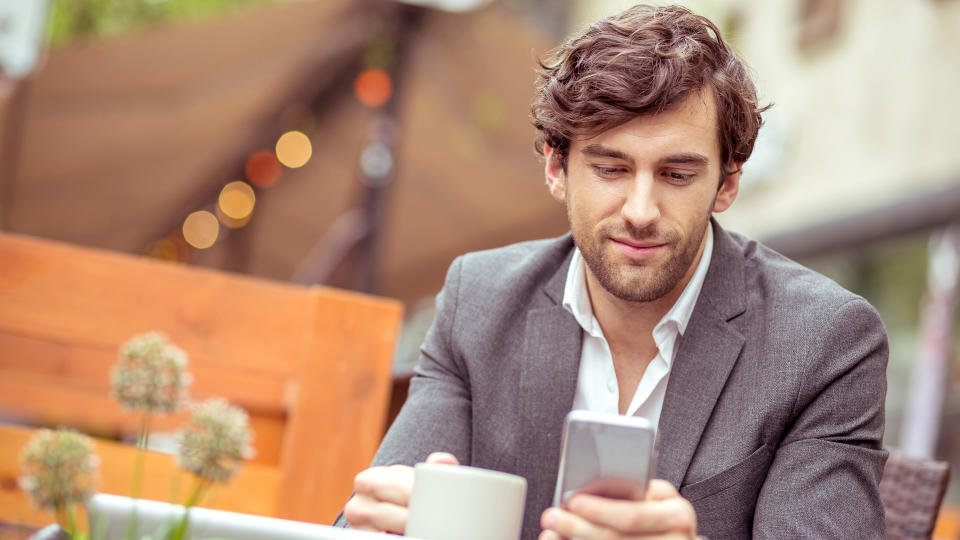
597	388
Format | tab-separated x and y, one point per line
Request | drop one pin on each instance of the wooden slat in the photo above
89	368
68	294
252	491
948	523
352	343
45	402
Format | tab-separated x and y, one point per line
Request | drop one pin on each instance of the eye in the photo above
678	178
608	172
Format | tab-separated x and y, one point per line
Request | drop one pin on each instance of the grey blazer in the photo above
774	411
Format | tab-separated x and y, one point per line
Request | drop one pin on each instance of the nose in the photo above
641	207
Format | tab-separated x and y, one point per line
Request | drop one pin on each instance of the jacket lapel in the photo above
548	381
708	350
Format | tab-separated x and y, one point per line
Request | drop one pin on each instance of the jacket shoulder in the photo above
510	269
788	282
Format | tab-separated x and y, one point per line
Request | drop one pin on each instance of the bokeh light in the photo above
262	168
167	249
376	162
373	87
229	222
236	200
294	149
201	229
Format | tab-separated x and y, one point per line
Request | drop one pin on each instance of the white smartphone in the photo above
605	454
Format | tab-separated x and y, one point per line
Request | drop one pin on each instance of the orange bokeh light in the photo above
373	87
294	149
166	249
262	168
236	200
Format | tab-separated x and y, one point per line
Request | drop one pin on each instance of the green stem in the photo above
139	461
72	520
198	492
140	457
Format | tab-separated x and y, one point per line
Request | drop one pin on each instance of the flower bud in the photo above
150	375
59	468
215	441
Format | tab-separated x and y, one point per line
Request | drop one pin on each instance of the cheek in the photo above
586	213
687	213
597	203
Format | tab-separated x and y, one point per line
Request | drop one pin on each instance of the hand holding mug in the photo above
382	495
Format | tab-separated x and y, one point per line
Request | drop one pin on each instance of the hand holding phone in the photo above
604	454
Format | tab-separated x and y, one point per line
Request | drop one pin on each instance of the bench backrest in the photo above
311	365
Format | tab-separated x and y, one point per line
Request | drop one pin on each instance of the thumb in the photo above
444	458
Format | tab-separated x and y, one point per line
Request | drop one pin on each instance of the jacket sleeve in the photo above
823	482
437	414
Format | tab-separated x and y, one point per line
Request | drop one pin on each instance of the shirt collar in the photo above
576	299
682	309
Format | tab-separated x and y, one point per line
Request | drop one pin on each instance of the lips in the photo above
639	250
638	244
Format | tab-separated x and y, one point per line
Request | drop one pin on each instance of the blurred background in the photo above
364	144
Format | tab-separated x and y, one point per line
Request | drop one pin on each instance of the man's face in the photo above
639	197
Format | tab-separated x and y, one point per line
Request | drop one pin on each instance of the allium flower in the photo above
150	375
215	441
59	468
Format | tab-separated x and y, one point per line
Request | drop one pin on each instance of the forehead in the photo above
689	126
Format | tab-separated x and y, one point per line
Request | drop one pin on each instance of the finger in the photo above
657	490
365	513
388	484
549	535
569	525
443	458
635	517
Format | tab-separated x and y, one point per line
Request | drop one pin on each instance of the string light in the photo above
373	87
237	200
201	229
294	149
262	168
376	162
165	249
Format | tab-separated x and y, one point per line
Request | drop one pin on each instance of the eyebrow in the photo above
688	158
685	158
602	151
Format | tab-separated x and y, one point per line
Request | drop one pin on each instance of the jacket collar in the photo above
708	351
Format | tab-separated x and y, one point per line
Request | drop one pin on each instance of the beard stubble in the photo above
640	282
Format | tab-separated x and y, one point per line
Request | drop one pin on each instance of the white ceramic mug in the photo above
456	502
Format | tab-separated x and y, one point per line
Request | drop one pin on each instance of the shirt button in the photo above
611	386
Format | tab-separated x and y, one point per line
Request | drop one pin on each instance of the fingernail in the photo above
549	519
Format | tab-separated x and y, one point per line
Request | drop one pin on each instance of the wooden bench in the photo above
312	366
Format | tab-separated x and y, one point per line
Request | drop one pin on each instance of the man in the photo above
766	380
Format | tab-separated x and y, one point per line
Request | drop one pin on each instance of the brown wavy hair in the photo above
640	62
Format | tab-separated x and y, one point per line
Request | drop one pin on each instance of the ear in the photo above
730	188
553	171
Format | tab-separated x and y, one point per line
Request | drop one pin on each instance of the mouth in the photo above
638	249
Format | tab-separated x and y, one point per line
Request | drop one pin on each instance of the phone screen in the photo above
605	454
